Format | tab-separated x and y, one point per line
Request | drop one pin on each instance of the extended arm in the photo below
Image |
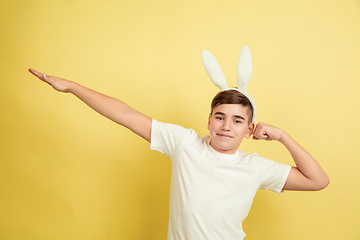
109	107
308	174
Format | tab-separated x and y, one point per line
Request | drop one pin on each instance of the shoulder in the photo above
170	129
264	163
167	137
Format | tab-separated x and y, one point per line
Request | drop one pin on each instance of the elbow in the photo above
327	182
322	184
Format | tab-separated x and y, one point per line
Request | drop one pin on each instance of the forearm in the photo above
305	163
109	107
114	109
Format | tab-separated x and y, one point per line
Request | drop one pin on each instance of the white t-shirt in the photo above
211	193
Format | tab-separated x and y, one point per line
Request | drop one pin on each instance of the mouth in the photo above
224	135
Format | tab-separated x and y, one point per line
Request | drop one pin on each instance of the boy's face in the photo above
228	125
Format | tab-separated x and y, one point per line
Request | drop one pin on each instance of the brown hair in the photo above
232	97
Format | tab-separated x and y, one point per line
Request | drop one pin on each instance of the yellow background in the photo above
68	173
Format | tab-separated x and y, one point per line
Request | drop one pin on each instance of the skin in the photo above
228	126
109	107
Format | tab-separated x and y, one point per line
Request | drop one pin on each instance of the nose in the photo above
226	125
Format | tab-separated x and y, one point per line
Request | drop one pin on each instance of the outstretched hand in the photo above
59	84
267	132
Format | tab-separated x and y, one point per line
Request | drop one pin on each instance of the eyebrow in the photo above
223	114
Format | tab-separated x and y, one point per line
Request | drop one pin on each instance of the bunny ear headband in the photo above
244	72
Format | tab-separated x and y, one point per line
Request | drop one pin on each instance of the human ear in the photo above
209	121
250	130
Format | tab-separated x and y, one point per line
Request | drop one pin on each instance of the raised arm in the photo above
109	107
308	174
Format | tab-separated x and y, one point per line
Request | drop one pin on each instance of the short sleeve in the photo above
272	175
166	137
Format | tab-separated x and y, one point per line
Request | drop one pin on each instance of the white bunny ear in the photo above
244	69
213	69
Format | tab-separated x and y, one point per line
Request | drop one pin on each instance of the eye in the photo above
219	118
237	121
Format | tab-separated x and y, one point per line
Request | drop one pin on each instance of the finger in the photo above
42	76
35	73
261	134
257	130
266	137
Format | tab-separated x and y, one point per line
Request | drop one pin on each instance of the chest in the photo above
206	175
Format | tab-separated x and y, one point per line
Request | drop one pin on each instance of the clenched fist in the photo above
267	132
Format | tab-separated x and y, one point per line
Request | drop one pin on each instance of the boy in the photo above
213	183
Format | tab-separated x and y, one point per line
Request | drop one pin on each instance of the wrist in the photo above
284	137
72	86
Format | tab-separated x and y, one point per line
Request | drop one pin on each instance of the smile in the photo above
224	135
